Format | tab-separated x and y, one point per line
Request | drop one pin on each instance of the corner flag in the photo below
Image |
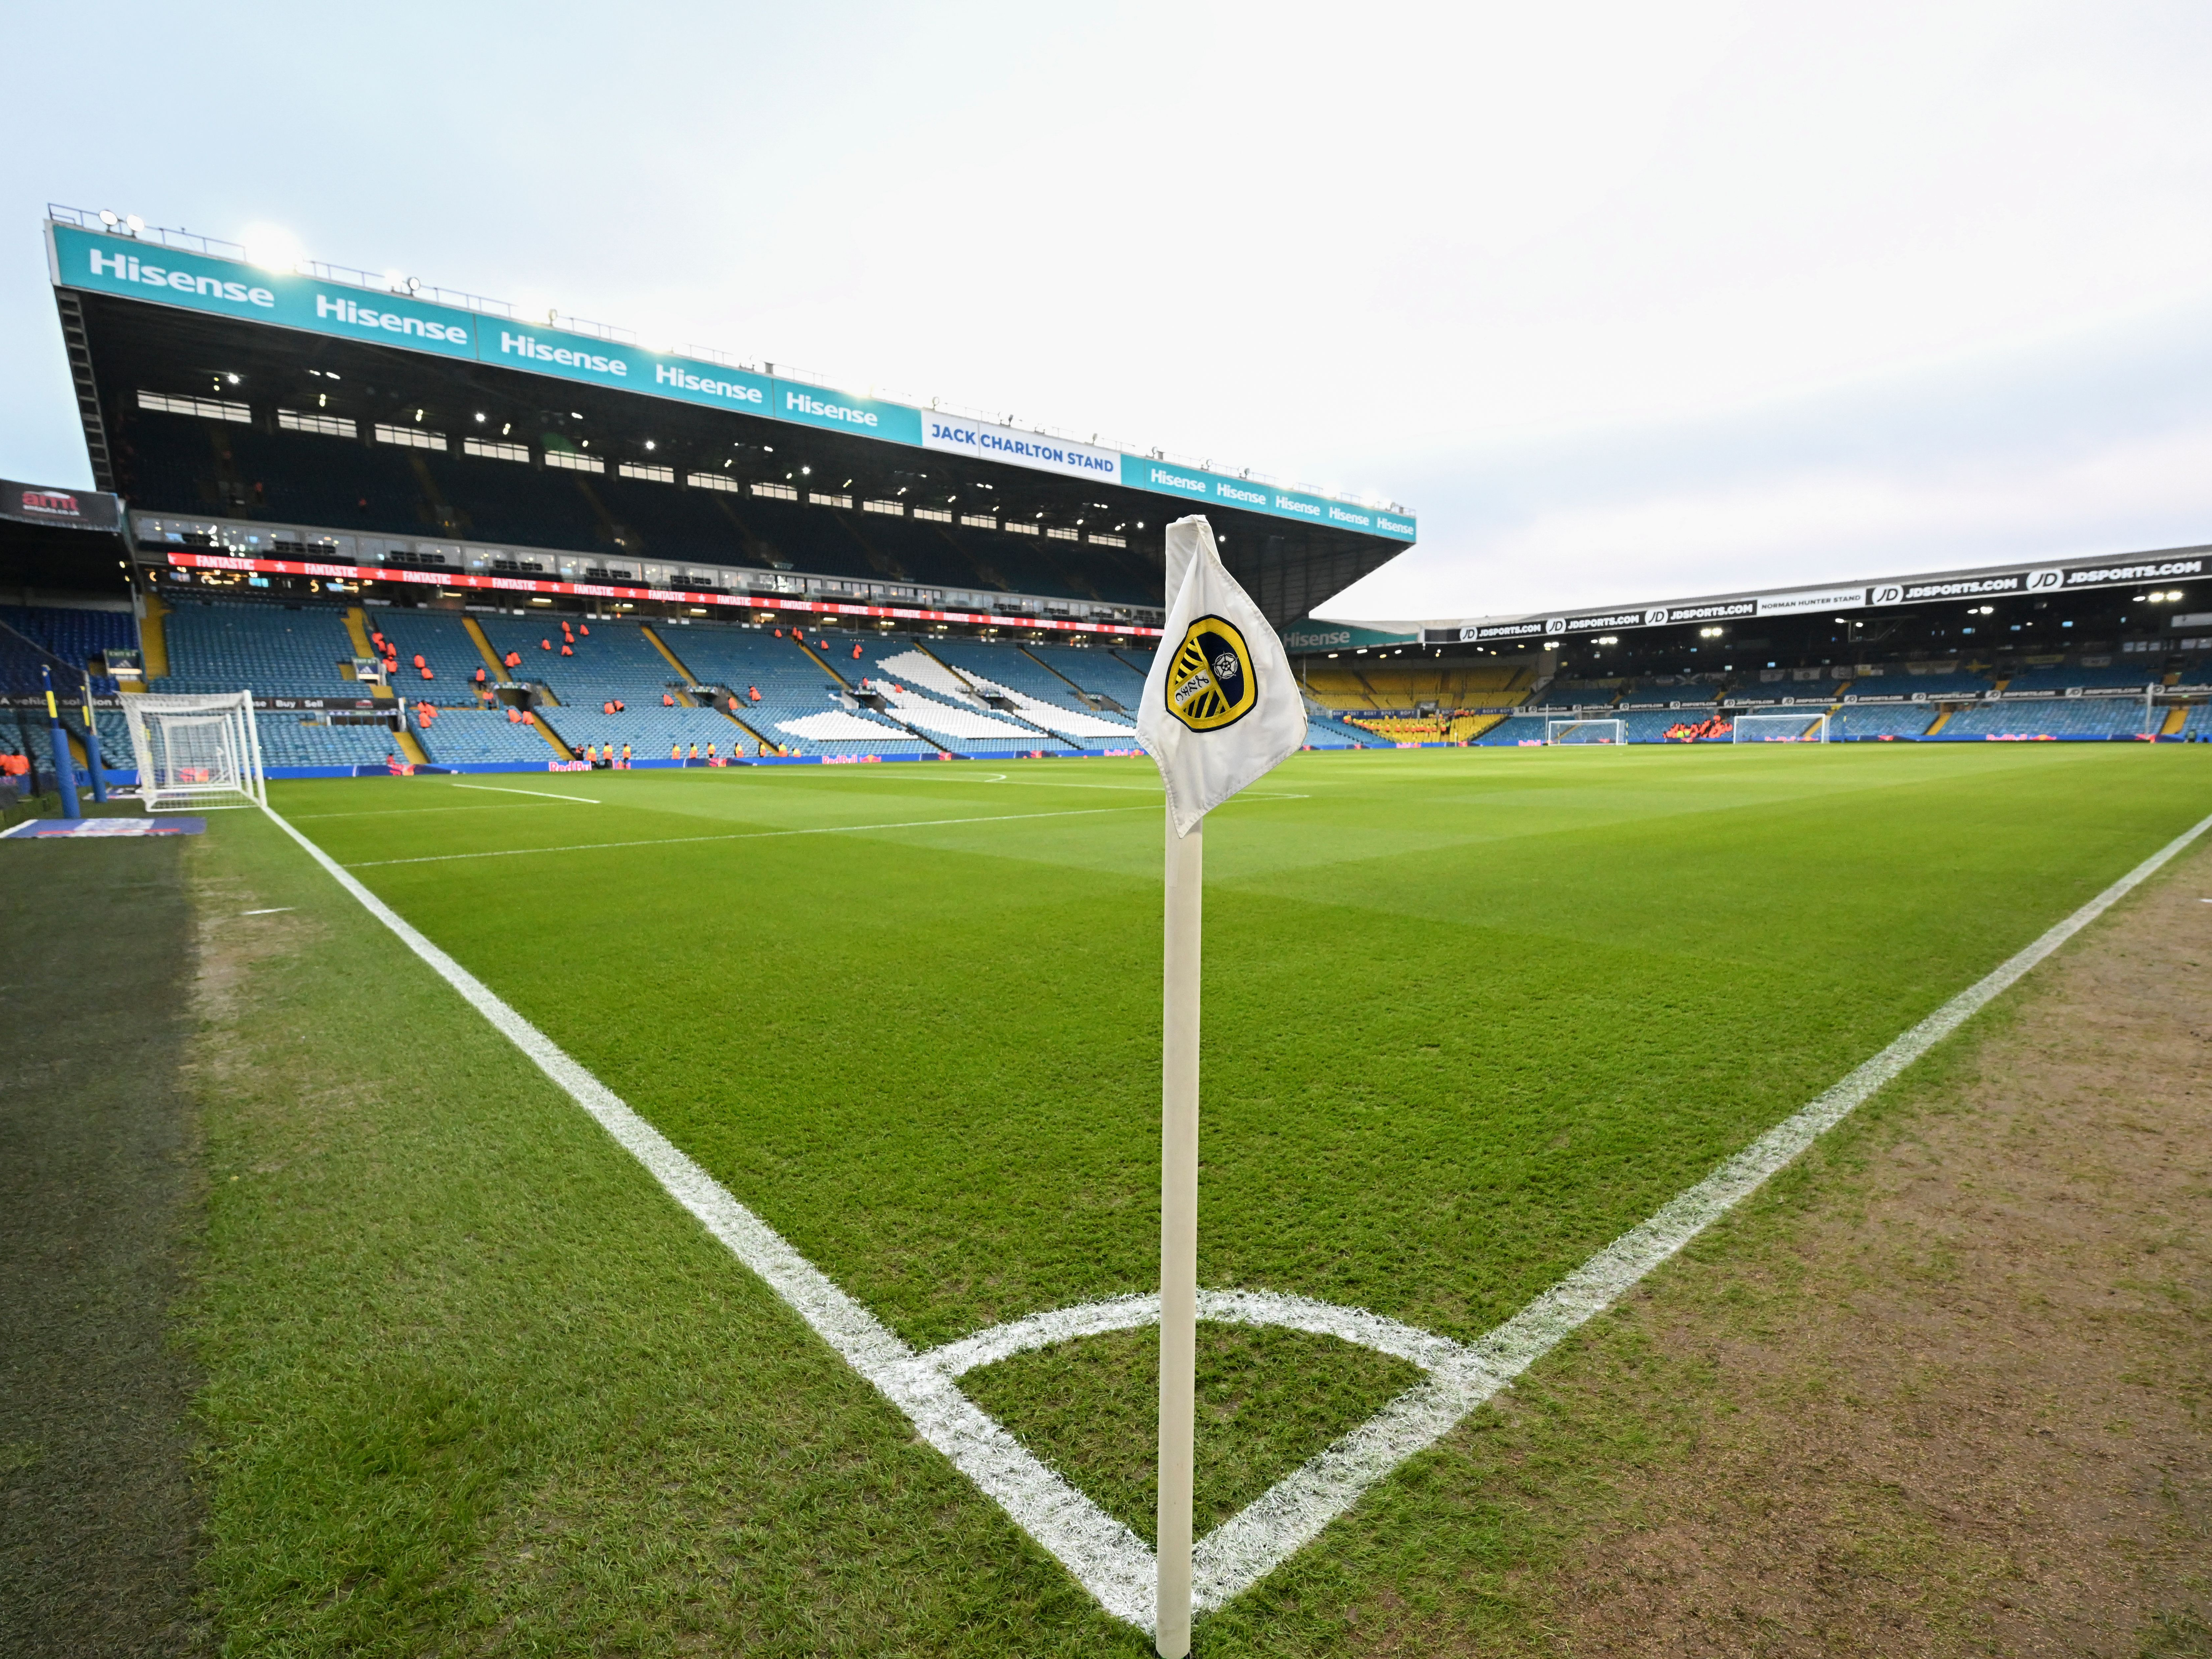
1221	706
1220	711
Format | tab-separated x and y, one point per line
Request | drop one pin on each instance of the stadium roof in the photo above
1863	594
101	254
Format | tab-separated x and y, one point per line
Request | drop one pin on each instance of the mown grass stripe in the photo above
743	835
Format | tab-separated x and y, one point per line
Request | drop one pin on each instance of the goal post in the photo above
1579	731
1810	726
195	753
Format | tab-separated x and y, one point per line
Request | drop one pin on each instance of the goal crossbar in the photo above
1577	732
1803	725
194	754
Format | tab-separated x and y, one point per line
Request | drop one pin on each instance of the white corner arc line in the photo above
1102	1553
741	835
503	789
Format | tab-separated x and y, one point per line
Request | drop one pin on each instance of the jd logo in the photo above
1210	684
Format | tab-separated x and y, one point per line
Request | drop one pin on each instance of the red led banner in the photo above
378	572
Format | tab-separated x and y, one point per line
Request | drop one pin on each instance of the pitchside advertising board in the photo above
134	270
1910	590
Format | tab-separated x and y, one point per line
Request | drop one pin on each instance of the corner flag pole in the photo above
1220	710
1186	863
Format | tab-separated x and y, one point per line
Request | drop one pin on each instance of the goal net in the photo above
1782	728
1585	731
195	753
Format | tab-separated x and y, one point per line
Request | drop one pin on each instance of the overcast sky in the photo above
1624	301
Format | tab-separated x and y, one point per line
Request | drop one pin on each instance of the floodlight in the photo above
136	223
108	218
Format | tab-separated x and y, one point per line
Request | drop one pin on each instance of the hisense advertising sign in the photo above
1311	636
130	269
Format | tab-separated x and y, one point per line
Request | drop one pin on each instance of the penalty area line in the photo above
742	834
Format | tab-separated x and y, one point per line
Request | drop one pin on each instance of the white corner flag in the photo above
1221	710
1221	706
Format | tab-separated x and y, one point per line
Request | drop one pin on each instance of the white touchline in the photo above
742	834
502	789
274	909
1105	1556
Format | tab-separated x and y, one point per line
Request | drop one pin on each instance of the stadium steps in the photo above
545	731
481	640
410	748
821	662
356	627
153	639
766	746
1047	738
1942	721
1081	696
683	697
2176	717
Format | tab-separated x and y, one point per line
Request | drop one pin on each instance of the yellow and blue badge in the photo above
1212	683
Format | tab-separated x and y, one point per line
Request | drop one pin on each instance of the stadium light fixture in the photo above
480	417
648	443
232	379
108	217
137	225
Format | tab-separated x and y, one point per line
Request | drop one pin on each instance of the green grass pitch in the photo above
1468	1016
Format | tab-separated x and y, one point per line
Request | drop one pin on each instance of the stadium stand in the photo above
1096	670
275	650
288	740
608	659
1513	731
346	484
1901	682
441	639
1663	697
464	736
74	635
957	669
649	729
796	710
1325	730
1356	687
2063	717
1574	694
1879	720
2063	676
